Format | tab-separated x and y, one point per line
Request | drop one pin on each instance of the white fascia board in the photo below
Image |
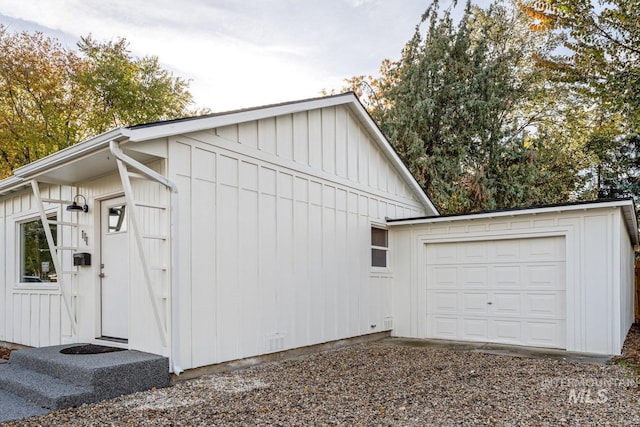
631	220
11	184
71	153
196	124
627	206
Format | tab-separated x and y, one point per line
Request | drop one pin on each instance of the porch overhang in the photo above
84	161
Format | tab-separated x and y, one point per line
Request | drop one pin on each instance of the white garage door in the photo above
504	291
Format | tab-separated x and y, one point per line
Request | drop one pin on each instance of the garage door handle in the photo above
489	303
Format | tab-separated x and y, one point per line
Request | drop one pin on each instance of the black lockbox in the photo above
82	258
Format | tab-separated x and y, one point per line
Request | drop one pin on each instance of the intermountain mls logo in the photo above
583	395
587	390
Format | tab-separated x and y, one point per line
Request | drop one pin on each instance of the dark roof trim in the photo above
240	110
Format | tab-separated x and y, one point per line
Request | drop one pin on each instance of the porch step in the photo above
42	390
110	374
15	408
47	379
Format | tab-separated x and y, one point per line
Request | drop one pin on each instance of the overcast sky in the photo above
237	53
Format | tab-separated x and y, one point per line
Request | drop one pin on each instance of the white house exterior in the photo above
246	233
255	232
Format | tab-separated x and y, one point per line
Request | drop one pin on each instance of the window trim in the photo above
387	249
25	217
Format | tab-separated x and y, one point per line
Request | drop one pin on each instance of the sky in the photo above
237	53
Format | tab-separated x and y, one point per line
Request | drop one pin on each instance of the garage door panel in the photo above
446	253
543	249
474	329
443	327
541	276
506	304
504	251
507	331
444	277
474	252
506	276
544	334
443	302
550	305
507	291
474	303
475	276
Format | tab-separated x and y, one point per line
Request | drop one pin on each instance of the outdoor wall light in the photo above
74	207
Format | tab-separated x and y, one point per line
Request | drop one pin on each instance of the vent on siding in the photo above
388	323
274	342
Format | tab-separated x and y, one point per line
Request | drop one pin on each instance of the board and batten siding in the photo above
599	273
153	221
32	314
277	216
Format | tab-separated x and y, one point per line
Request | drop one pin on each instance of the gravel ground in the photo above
382	384
631	348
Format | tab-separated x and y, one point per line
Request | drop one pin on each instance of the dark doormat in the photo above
90	349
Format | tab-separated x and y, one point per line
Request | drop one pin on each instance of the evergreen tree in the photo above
463	108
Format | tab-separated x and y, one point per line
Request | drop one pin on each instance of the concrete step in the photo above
14	408
109	374
42	390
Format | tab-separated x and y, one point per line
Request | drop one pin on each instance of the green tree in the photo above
126	90
52	97
41	106
600	62
463	108
602	47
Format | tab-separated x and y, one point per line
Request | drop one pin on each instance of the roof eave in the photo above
627	205
71	153
11	184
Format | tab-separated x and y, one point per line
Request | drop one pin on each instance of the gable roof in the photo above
150	131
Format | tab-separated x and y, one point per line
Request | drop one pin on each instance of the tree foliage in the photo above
41	106
127	90
465	108
52	97
603	43
599	61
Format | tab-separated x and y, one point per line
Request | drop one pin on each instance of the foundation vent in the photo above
274	342
388	323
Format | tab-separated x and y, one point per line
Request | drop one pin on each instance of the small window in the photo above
36	264
379	247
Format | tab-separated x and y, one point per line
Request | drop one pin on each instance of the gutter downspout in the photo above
114	148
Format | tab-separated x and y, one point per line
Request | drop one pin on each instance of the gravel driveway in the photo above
382	383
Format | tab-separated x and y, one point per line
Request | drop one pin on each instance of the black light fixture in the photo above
74	207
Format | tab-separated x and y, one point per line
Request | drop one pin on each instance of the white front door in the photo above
504	291
114	265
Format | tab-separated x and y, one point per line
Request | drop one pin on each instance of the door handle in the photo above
101	275
489	303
